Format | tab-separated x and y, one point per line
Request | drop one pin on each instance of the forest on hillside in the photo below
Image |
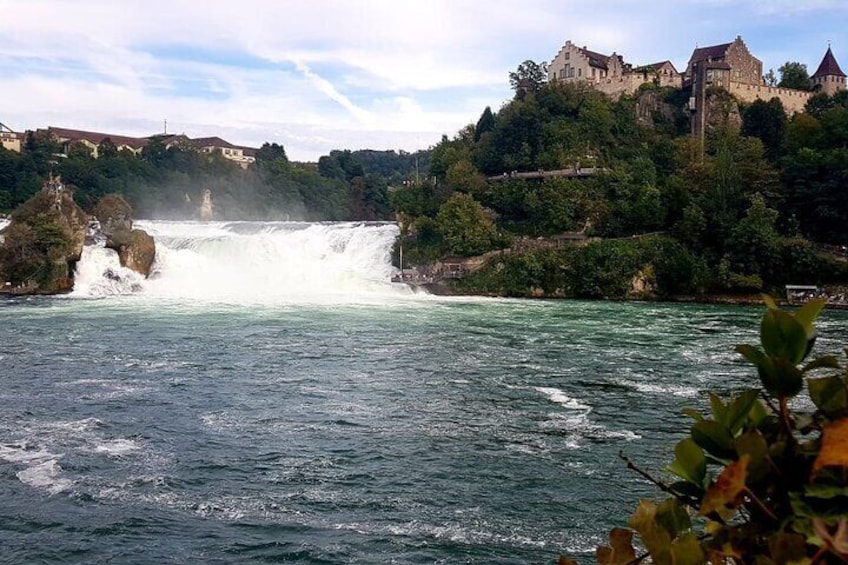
166	182
755	207
748	210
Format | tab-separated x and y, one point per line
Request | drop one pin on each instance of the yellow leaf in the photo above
834	446
725	493
620	550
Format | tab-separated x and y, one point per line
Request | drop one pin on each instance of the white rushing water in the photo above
254	262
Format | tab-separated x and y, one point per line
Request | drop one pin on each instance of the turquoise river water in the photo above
351	421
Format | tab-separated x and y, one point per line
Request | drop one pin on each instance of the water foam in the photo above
239	262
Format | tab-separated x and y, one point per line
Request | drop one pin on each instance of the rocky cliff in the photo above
43	242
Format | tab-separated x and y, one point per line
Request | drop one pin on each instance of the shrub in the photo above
758	480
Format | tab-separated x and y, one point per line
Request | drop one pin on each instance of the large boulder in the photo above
136	249
113	213
43	242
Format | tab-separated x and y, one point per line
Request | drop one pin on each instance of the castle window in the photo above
579	72
593	72
567	56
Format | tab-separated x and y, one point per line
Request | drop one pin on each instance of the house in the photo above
69	138
609	73
92	140
574	63
10	139
828	78
721	64
244	156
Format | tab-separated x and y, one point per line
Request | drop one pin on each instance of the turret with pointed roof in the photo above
829	78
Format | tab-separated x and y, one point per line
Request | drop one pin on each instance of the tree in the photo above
767	121
794	75
528	77
486	123
463	224
270	152
770	79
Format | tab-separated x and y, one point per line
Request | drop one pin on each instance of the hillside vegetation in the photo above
748	210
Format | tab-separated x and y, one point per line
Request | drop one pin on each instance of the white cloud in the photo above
338	73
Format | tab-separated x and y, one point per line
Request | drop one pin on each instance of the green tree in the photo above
485	124
465	227
794	75
528	77
270	152
766	121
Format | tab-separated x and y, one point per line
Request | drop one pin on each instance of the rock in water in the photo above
113	213
136	249
43	242
207	213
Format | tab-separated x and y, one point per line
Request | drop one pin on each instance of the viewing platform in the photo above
574	172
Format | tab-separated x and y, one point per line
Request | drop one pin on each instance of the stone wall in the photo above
793	100
745	67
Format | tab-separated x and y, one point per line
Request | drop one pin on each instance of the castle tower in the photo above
829	78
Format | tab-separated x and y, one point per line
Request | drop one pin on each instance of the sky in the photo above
317	75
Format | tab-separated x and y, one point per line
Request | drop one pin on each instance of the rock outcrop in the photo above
43	242
136	248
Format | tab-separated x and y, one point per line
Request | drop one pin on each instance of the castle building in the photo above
721	64
609	73
574	63
828	78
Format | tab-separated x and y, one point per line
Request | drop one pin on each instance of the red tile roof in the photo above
96	137
597	60
828	66
709	52
213	142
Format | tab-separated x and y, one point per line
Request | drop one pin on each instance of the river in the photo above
270	396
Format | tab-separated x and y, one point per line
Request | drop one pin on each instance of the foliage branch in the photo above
759	479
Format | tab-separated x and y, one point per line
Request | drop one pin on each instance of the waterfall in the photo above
254	261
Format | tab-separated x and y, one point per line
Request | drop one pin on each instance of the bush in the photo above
757	480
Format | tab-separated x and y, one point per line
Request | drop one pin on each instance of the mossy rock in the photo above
114	213
136	249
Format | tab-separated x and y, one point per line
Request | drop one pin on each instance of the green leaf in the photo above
769	302
783	378
783	336
825	491
824	362
752	354
714	438
689	462
738	409
829	394
687	550
758	414
694	414
672	516
806	315
718	408
753	444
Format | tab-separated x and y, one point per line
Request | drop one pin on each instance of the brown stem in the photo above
761	505
689	501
